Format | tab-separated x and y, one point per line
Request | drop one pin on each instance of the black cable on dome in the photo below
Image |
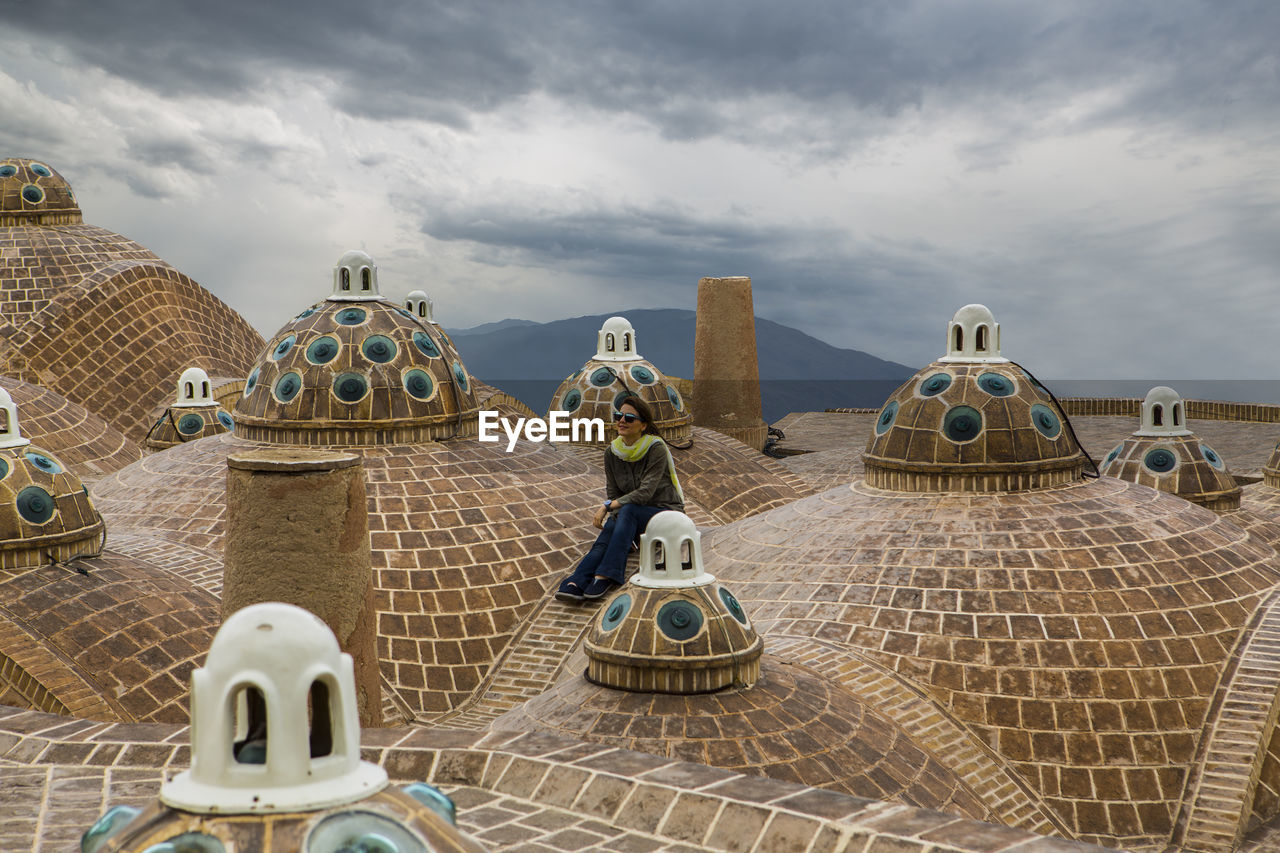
1065	419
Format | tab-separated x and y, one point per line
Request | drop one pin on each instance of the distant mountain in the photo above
492	327
797	372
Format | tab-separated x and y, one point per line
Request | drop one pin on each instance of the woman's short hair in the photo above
642	409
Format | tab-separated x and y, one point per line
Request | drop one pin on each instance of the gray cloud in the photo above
825	71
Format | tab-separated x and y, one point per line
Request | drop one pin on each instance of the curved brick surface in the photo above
513	792
792	725
1080	631
1197	473
130	631
340	372
85	442
466	538
162	323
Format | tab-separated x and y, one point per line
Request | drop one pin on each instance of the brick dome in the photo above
1166	455
96	317
357	369
616	371
1080	630
971	421
31	192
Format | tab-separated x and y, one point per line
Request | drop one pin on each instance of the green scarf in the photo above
637	451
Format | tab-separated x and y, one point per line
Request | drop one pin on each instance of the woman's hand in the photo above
598	521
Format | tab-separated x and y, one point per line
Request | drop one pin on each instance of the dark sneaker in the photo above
569	592
599	588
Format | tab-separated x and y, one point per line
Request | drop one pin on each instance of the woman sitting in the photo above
640	480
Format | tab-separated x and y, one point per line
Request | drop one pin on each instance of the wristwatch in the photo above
606	504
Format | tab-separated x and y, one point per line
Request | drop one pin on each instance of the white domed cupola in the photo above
671	553
973	335
194	390
10	432
355	278
273	720
1163	413
617	341
419	305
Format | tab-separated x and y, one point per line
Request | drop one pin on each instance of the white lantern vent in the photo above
274	726
671	553
355	279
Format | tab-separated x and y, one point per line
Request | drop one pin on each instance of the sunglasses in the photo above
625	416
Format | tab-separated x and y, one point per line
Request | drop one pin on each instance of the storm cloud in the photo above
1102	174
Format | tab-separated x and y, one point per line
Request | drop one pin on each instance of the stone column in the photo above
726	375
298	532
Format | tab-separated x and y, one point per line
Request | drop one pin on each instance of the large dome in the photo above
1078	628
971	421
357	369
95	316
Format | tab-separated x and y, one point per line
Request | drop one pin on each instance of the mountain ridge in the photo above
797	371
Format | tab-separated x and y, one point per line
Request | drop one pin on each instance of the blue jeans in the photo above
608	556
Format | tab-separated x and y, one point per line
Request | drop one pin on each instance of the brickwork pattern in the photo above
466	540
631	645
536	657
402	380
31	192
792	725
178	426
1008	796
1195	472
116	332
970	427
529	792
46	514
730	480
1078	631
594	390
1233	786
87	444
129	631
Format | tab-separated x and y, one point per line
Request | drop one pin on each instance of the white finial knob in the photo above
194	390
419	305
617	341
671	553
1163	413
973	335
355	278
10	432
273	720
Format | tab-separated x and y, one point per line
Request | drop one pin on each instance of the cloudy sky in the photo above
1104	175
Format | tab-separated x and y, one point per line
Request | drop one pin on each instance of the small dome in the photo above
194	414
194	389
271	667
417	304
46	514
355	278
673	629
973	335
32	193
617	371
971	424
1166	455
1163	413
616	341
351	374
